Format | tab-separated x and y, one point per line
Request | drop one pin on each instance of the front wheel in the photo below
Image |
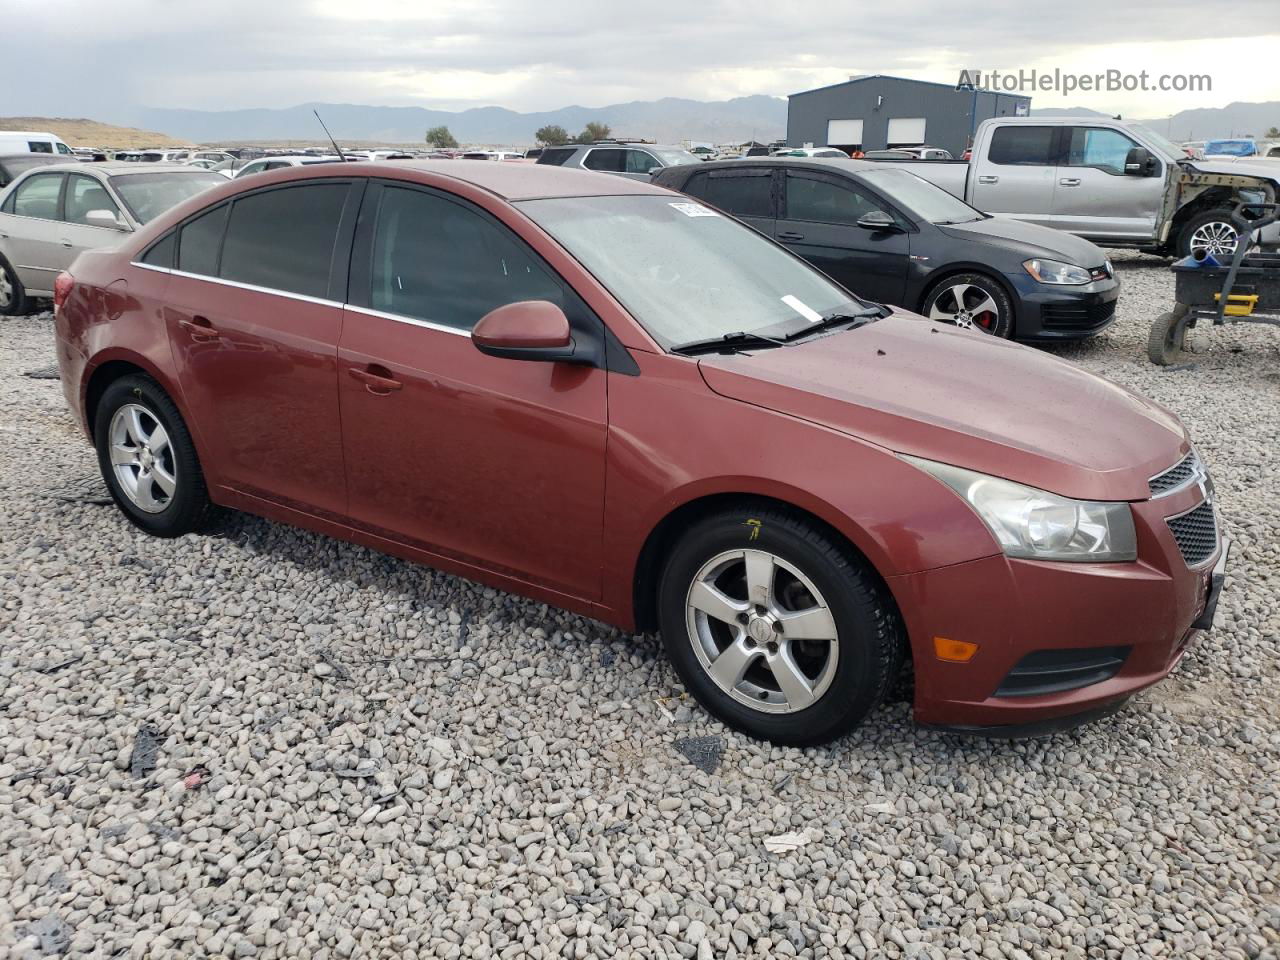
1209	232
974	301
13	301
147	458
777	628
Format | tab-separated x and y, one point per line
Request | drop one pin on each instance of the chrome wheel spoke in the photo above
731	665
816	623
987	305
715	603
144	463
142	492
133	425
795	686
159	440
164	480
123	455
760	573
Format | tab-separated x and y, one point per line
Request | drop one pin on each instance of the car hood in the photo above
961	397
1260	167
1028	240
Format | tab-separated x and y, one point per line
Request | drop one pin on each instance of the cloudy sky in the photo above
99	59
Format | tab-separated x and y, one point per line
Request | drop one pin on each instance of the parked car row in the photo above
616	399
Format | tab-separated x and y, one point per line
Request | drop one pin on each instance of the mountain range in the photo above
669	120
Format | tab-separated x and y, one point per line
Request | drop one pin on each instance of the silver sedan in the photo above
52	213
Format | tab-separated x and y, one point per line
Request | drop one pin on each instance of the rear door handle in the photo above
200	329
1069	182
66	243
789	237
377	380
988	179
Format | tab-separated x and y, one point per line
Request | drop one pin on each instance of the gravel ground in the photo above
262	743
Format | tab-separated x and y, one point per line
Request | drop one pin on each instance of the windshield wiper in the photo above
737	341
856	317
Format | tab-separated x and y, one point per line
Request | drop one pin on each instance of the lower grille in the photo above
1196	533
1053	671
1076	316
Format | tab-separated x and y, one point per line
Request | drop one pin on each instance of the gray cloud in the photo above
272	53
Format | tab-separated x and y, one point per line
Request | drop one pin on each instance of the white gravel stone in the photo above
406	764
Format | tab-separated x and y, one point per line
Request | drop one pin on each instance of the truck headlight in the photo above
1055	271
1037	525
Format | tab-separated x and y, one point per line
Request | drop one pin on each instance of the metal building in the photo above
877	112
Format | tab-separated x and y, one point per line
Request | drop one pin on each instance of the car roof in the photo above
520	181
838	164
119	168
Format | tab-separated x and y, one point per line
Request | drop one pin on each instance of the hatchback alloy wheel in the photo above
142	458
966	305
762	631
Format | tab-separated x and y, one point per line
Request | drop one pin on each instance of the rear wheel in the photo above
775	627
13	300
974	301
147	458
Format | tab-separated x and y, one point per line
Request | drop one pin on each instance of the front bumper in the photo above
1047	311
1155	607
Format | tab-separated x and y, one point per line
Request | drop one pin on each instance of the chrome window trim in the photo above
412	321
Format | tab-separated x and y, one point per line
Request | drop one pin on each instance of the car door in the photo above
818	221
253	316
638	163
84	194
1094	195
30	228
498	463
744	192
1015	175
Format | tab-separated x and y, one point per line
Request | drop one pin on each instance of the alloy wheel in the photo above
6	289
762	631
966	305
1216	237
142	458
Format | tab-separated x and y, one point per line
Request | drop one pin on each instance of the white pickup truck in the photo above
1114	182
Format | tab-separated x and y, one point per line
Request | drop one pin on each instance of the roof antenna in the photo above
337	149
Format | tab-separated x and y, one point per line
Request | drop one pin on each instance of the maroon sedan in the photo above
610	398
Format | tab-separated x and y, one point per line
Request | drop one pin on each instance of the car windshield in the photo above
1164	146
919	197
1229	148
686	272
147	195
675	158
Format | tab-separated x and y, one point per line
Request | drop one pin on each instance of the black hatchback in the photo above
890	236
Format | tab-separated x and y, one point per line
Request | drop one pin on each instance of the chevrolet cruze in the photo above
611	398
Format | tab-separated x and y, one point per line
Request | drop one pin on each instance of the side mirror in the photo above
105	218
1139	163
654	171
878	220
528	330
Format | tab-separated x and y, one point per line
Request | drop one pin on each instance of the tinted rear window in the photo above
1023	146
609	160
556	155
161	252
740	195
201	238
283	239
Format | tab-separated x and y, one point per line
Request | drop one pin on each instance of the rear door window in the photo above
640	161
283	239
37	196
439	260
39	146
556	156
200	242
743	194
1019	146
607	160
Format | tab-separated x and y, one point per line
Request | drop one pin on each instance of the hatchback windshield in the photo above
686	272
147	195
920	197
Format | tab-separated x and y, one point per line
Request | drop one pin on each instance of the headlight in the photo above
1031	523
1055	271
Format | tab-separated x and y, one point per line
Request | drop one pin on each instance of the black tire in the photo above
1002	325
16	305
1165	341
870	637
1218	215
188	506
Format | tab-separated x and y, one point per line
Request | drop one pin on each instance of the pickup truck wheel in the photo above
13	301
971	300
1211	231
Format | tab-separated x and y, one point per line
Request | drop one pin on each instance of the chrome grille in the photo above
1182	472
1196	533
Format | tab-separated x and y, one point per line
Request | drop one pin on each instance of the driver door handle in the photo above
988	179
789	236
1069	182
200	329
377	380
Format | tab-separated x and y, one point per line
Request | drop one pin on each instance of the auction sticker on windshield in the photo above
695	210
802	308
